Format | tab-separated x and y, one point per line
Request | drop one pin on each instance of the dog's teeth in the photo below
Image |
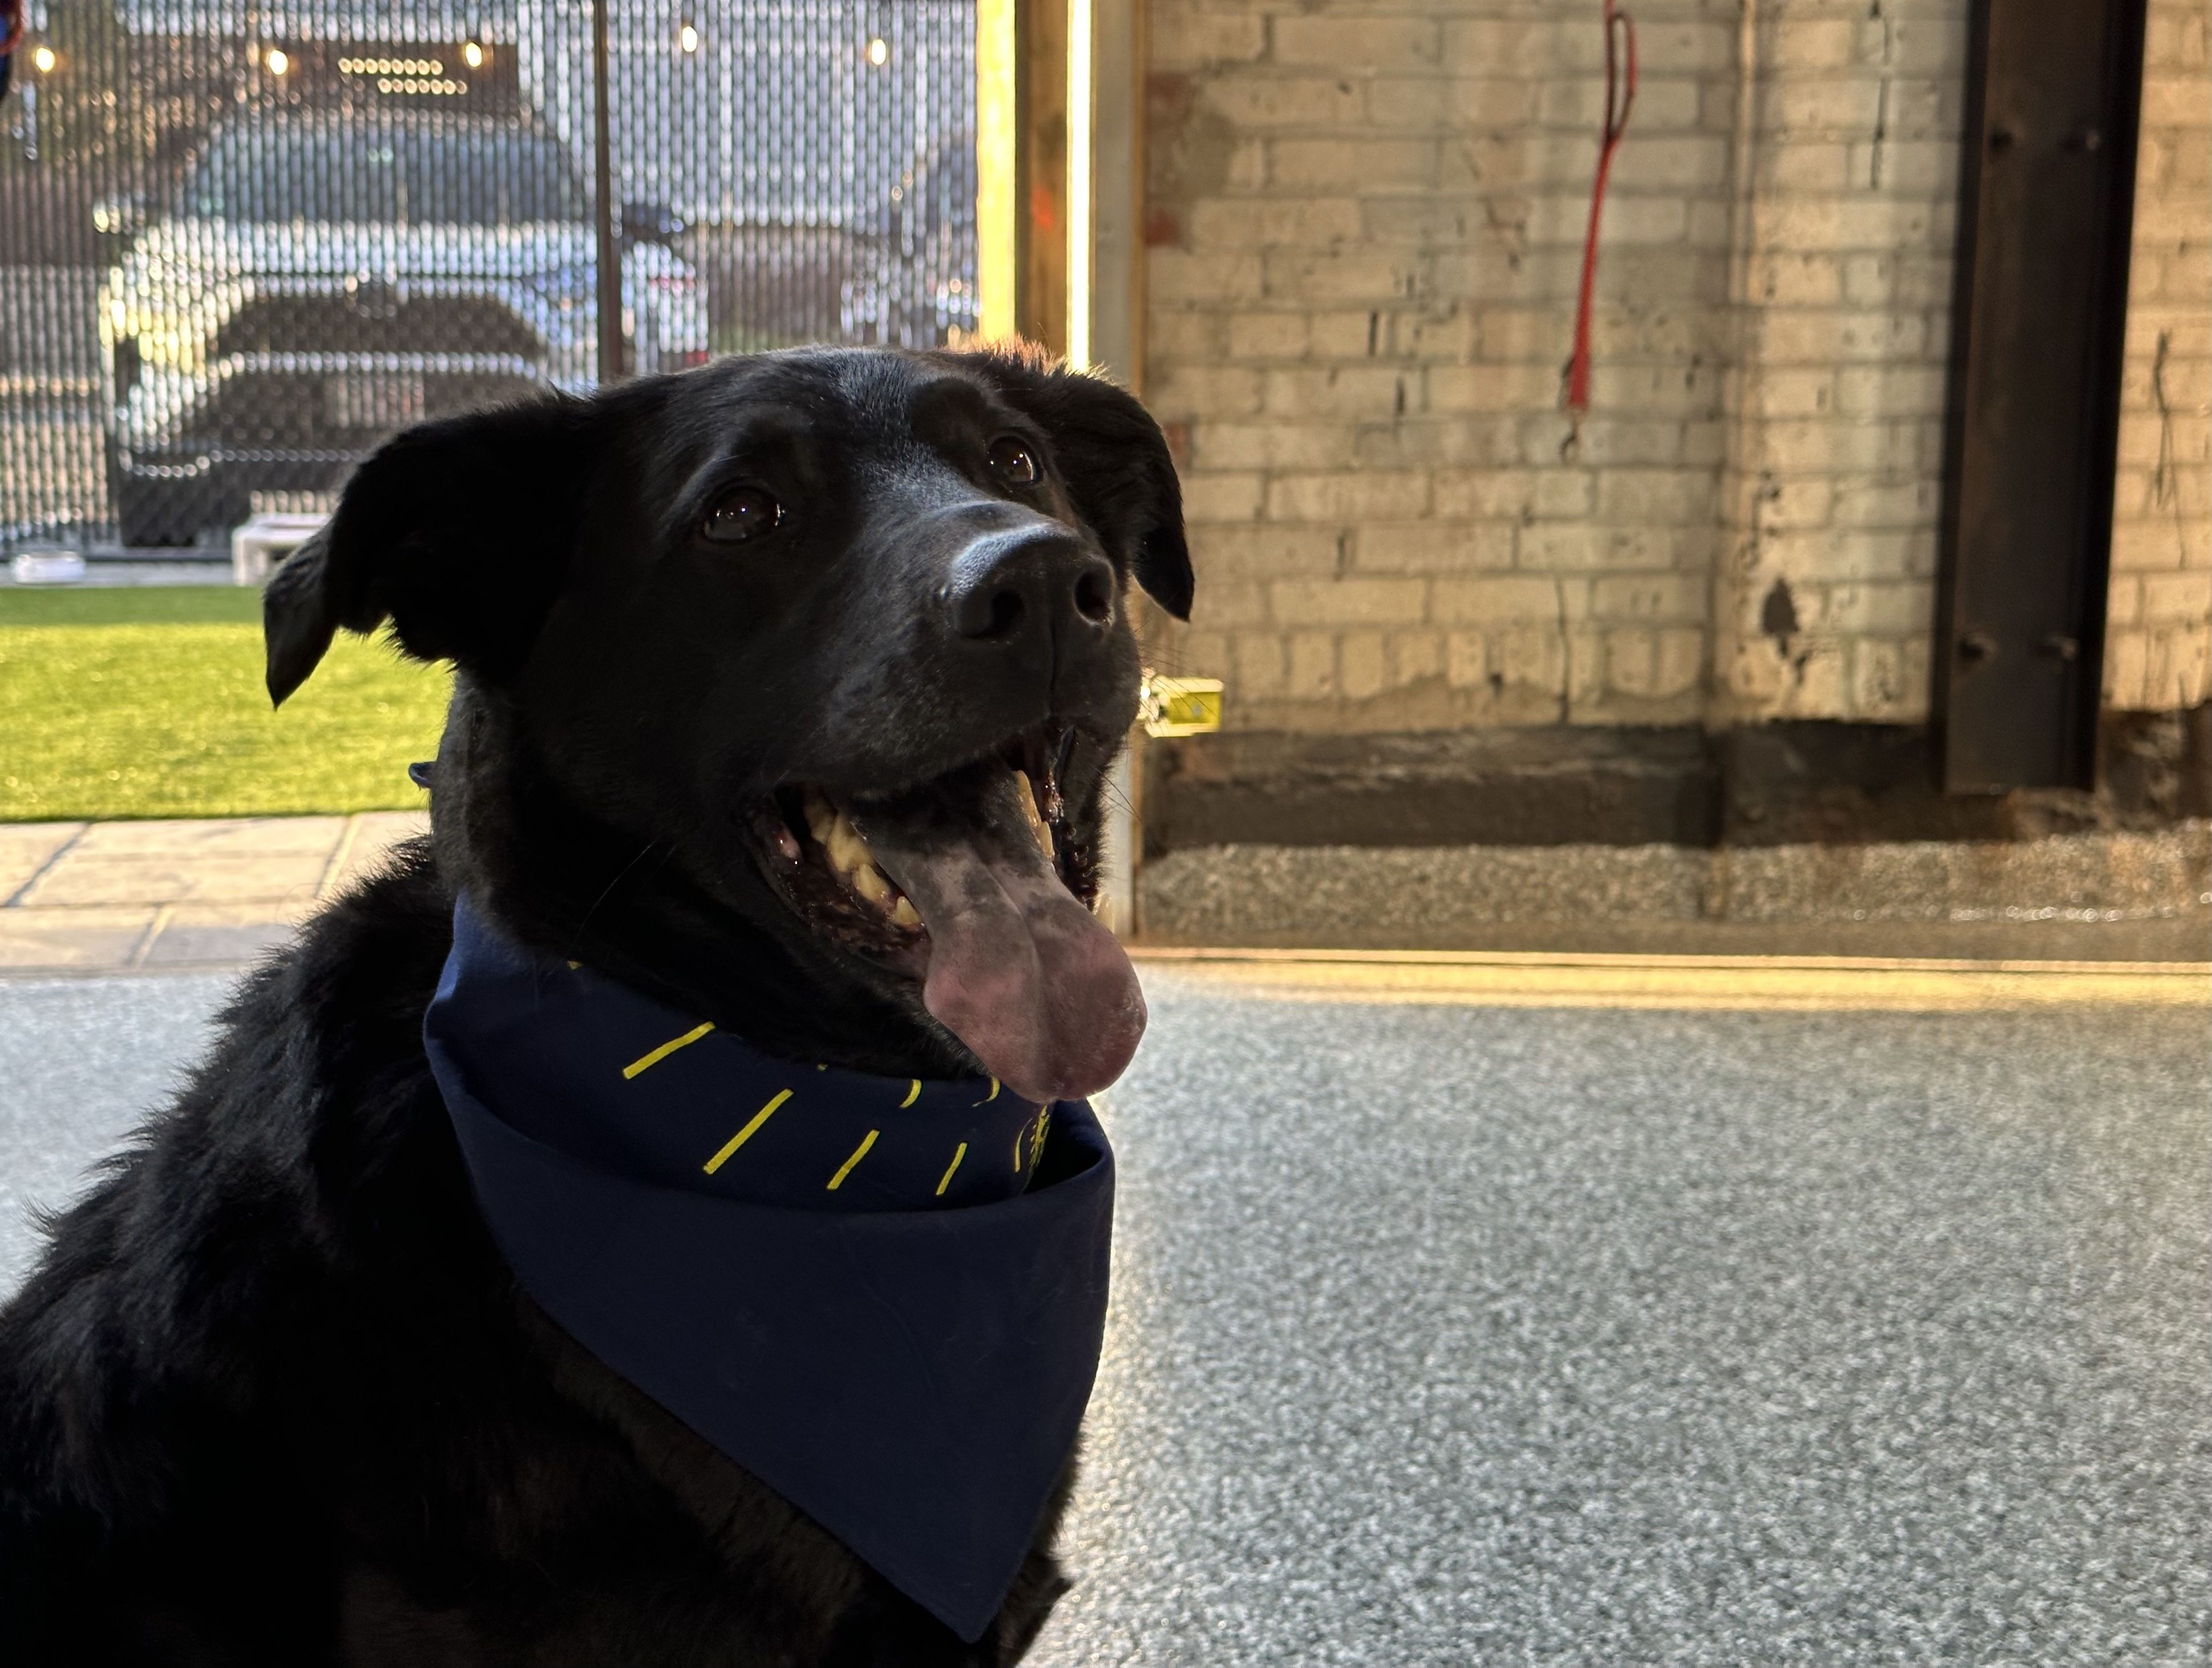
850	858
848	852
904	914
786	845
820	817
1039	829
840	841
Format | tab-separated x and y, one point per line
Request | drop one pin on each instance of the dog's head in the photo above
785	688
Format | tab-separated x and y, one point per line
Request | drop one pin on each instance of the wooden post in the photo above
1105	327
1041	170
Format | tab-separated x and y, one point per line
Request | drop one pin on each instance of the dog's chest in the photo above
598	1528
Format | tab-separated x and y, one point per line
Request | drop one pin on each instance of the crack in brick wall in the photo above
2158	650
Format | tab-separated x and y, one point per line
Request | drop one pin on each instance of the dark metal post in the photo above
2046	227
609	292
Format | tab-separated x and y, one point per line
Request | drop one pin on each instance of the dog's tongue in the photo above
1019	971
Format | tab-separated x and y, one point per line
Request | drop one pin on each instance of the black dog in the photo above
273	1397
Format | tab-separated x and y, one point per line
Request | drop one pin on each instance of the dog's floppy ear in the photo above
457	531
1116	461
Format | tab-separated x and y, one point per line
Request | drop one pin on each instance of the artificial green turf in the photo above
107	712
130	604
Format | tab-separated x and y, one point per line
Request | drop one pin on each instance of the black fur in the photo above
272	1397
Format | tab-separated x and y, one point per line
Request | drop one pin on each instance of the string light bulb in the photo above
688	37
879	52
473	54
43	60
278	61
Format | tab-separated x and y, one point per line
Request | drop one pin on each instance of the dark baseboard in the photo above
1766	784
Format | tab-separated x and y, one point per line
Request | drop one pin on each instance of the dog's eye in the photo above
737	516
1013	461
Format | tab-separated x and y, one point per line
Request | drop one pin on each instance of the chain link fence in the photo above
241	244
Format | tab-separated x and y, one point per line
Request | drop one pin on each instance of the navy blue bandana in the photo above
846	1283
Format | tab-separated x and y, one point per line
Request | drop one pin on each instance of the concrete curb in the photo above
87	899
1355	896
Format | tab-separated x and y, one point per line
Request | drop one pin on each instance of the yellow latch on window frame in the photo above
1179	706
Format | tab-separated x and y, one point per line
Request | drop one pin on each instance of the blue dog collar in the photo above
845	1282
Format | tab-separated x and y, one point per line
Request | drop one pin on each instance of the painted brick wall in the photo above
2159	652
1849	161
1365	221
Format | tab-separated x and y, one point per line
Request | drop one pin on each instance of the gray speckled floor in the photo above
1447	1335
82	1061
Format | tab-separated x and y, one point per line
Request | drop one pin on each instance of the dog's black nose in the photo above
1031	586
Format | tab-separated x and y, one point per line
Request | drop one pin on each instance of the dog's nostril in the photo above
1094	595
990	612
1006	616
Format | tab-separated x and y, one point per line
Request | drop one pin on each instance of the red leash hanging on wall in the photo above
1619	95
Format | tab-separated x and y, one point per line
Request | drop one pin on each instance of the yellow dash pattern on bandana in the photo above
645	1061
913	1094
859	1153
959	1154
744	1135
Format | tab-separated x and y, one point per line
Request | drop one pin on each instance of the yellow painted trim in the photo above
746	1134
996	229
859	1153
1526	979
666	1049
1180	952
913	1094
946	1180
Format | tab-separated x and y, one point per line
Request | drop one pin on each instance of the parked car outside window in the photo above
317	283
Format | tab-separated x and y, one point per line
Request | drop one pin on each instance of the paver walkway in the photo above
107	897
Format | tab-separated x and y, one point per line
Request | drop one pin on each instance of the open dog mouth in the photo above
975	885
